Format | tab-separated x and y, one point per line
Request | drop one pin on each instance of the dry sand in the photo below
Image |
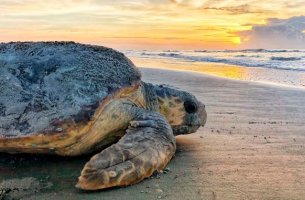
253	147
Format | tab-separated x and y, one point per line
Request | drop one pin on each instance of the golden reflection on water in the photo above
257	74
222	70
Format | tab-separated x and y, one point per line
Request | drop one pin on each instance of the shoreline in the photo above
262	83
232	72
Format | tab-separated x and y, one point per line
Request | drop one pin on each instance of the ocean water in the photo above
285	67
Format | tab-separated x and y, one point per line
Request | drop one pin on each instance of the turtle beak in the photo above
199	119
202	114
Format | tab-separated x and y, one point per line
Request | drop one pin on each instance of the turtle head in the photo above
182	109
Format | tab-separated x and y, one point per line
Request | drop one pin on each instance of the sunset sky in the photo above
157	24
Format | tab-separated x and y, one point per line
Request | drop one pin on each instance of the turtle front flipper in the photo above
148	145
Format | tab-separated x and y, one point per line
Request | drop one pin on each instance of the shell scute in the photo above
46	82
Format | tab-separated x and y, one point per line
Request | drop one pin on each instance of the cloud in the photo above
193	3
179	23
277	33
237	10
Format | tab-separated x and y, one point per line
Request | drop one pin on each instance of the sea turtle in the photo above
70	99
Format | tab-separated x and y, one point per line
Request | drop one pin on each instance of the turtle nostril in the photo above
190	107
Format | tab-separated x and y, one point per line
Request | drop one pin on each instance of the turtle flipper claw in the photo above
144	149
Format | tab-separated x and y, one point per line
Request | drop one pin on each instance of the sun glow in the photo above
135	24
236	40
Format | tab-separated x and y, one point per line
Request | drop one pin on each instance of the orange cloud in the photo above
181	24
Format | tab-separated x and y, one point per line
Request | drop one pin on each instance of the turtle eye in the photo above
190	107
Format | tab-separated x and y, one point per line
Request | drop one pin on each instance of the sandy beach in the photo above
70	87
252	147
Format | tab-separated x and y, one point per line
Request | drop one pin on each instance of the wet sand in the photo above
253	147
288	78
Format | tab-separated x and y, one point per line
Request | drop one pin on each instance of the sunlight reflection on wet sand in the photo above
257	74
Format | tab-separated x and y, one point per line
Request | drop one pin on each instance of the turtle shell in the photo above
45	82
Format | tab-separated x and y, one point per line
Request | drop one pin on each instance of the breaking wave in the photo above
276	59
286	58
